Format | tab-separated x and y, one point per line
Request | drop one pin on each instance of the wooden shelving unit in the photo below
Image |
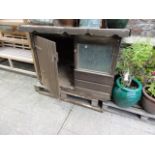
15	46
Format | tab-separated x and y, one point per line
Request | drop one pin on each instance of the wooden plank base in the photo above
78	100
72	98
20	55
41	89
16	54
136	110
18	70
94	104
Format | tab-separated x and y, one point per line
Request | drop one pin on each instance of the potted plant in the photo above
127	90
148	100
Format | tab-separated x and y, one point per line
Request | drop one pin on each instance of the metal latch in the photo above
55	57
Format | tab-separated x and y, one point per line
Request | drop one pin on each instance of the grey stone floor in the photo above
24	111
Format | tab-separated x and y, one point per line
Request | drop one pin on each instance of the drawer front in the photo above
94	78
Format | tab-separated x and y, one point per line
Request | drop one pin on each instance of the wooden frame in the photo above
76	31
135	110
15	46
114	42
17	70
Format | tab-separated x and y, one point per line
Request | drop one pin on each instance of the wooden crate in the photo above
15	40
12	22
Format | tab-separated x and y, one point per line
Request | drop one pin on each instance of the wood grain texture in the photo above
75	30
18	70
16	54
103	79
93	86
88	93
46	54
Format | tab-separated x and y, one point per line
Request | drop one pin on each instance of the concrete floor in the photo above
24	111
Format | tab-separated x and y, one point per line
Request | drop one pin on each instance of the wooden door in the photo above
47	58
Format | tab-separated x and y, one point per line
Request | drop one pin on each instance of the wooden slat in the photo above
78	100
14	40
90	94
15	34
134	110
103	79
93	86
26	72
16	46
75	30
16	54
12	22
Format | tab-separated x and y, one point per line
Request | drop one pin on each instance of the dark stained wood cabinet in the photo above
76	64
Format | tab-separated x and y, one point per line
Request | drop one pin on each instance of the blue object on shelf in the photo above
93	23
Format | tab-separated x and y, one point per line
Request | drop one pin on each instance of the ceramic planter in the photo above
126	97
148	102
67	22
117	23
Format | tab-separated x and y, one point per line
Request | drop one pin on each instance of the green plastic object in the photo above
126	97
117	23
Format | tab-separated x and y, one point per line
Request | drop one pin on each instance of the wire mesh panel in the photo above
95	57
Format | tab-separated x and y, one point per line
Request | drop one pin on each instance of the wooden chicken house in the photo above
75	64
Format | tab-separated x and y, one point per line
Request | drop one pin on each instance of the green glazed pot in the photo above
126	97
117	23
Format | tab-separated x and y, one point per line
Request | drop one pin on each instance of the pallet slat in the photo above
14	40
136	110
16	46
26	72
16	54
82	101
11	22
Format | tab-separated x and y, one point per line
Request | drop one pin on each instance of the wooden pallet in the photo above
136	110
20	55
15	46
93	104
97	105
15	40
12	22
72	98
41	89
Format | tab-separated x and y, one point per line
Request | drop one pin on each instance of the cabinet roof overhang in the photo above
74	31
